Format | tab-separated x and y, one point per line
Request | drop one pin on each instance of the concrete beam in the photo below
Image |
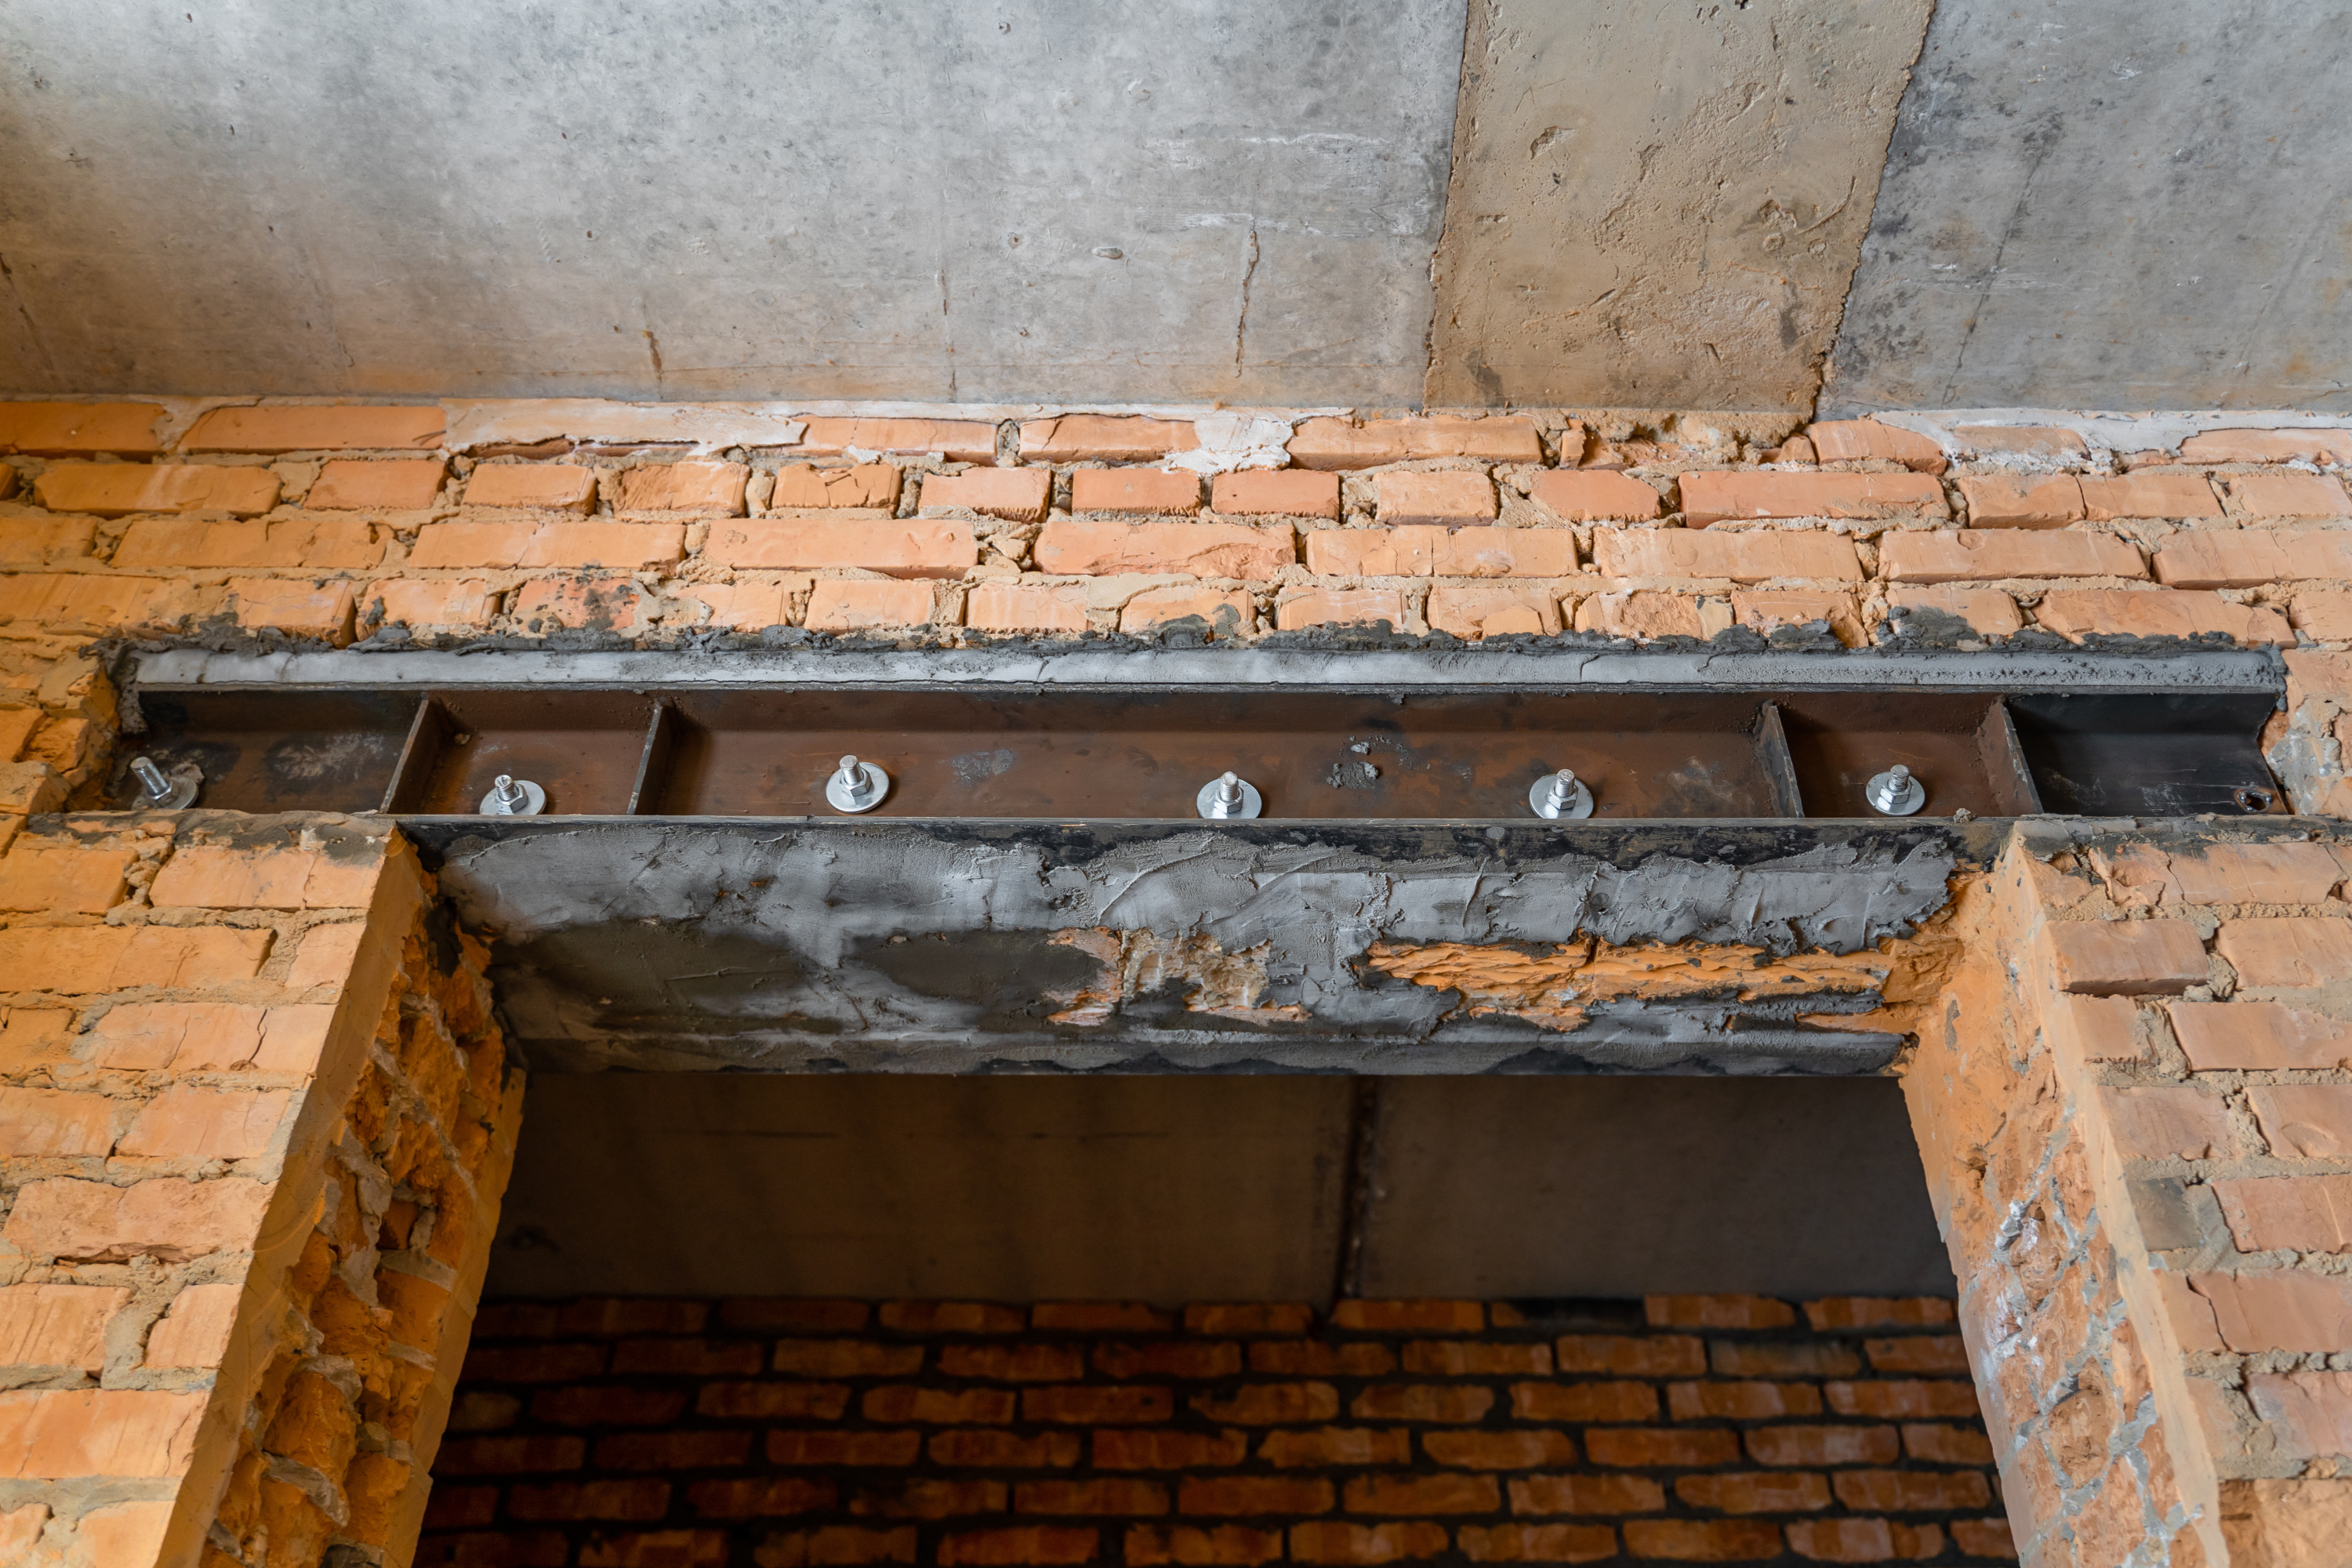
1660	203
2117	204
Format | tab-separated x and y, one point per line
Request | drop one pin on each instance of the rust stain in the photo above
1555	987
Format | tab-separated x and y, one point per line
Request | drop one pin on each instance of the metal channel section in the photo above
1036	893
997	735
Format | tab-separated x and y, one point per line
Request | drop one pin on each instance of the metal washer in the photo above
837	794
534	801
1206	802
1579	804
1888	801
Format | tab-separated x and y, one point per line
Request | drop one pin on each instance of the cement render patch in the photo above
663	945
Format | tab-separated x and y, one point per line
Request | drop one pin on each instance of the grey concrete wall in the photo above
1659	204
828	198
2108	203
2112	204
1233	1188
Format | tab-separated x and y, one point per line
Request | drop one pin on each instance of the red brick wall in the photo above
626	1434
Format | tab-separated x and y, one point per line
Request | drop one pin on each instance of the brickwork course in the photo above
257	1111
1684	1428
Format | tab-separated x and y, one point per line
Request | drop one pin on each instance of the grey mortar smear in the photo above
676	945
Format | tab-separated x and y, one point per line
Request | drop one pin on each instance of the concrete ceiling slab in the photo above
1228	1188
1660	203
1013	1189
2112	204
1616	1187
1028	199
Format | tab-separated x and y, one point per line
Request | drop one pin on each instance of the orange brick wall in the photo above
2171	1392
254	1126
780	1433
2132	1102
337	522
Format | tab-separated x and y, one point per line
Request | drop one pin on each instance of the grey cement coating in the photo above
2116	204
1097	665
835	198
939	947
1659	203
1172	1190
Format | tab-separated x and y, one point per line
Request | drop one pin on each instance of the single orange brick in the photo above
1103	1406
957	440
840	606
2078	614
1255	1495
1276	492
63	876
1026	607
1703	1540
1328	443
1718	1312
805	485
607	603
426	602
1218	613
702	490
1035	1543
1812	1445
319	610
316	427
1785	1491
1162	491
1437	498
1597	495
1422	1402
1017	495
1722	495
1538	1543
2021	500
1155	1546
925	547
1249	1318
1853	440
1324	1541
1329	1446
397	484
1101	1495
1445	1317
541	487
2268	447
1423	1494
1651	1448
80	429
1586	1494
116	489
1297	608
2148	494
1988	555
1107	438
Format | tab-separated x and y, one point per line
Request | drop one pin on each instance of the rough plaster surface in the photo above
1661	203
2117	204
479	197
942	948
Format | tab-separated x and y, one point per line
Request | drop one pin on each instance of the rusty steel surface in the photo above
1095	754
